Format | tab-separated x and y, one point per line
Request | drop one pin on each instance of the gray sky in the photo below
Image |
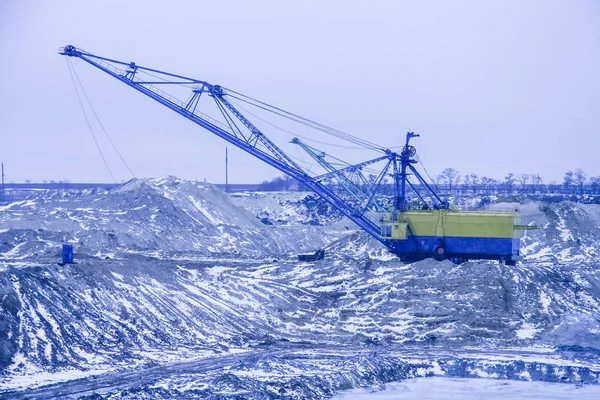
492	86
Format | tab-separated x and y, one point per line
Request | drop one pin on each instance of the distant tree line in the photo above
279	184
451	182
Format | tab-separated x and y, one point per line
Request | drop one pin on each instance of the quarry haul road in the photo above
122	380
127	379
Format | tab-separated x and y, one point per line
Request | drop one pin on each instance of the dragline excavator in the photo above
413	221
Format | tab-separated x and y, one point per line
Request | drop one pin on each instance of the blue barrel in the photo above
67	254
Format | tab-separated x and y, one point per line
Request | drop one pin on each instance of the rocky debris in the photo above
166	214
134	302
288	208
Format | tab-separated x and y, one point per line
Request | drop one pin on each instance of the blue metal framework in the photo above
358	190
240	132
407	159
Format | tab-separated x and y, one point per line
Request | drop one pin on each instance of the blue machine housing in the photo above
421	247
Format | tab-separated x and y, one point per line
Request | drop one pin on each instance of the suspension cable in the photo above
326	130
100	123
305	121
293	133
88	122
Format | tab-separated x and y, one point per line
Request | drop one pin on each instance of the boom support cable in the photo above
290	132
100	122
87	121
73	73
307	122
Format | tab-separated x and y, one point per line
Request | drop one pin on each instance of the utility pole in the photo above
226	172
2	191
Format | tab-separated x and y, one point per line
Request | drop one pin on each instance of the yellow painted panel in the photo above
461	224
399	231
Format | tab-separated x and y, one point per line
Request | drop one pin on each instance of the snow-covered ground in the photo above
472	389
166	214
182	290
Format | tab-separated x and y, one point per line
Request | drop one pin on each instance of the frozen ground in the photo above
180	290
472	389
166	214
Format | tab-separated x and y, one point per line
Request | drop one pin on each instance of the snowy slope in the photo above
473	389
288	208
165	214
218	324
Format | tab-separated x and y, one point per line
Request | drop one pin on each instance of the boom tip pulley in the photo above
68	50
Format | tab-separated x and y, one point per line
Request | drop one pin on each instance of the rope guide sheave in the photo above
358	196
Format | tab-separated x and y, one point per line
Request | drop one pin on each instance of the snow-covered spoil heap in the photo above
281	329
165	214
570	233
288	208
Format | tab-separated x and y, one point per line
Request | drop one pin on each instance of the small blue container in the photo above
67	254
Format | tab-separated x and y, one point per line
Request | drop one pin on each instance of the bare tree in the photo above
580	179
523	179
568	181
536	180
449	177
483	184
372	178
509	181
467	182
487	184
595	183
494	183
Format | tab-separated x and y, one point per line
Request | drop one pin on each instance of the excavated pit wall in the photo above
124	306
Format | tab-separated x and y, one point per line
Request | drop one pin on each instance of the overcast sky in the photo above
492	86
